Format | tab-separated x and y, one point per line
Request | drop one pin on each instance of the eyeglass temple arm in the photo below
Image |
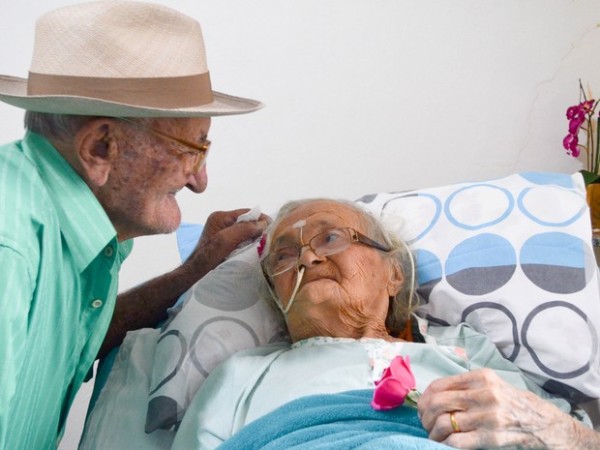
370	242
202	149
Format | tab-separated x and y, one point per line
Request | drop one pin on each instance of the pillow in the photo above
222	313
513	258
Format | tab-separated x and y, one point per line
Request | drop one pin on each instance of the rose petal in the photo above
261	245
387	373
394	385
401	370
390	393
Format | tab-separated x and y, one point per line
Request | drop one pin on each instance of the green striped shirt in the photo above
59	262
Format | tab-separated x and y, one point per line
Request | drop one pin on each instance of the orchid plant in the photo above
396	385
581	120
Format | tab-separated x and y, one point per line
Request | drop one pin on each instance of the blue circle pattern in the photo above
545	178
533	217
488	258
500	218
429	267
553	261
437	211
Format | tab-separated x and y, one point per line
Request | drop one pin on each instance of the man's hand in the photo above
221	236
147	304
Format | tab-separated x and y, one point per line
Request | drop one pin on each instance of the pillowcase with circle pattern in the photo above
513	257
510	256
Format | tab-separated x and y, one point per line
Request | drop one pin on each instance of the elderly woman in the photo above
347	288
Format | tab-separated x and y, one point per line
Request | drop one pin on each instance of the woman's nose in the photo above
308	257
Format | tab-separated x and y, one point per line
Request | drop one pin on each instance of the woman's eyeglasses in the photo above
323	244
198	152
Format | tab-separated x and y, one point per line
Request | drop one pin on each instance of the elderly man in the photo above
118	105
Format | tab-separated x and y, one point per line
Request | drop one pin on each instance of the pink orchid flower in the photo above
396	385
570	143
583	120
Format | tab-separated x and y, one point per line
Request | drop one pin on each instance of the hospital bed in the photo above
512	257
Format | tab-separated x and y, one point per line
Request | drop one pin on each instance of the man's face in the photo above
139	195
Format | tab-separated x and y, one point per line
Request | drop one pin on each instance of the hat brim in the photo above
13	90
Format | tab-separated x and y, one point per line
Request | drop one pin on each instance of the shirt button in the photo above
97	303
108	251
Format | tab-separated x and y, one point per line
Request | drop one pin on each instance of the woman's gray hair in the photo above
404	303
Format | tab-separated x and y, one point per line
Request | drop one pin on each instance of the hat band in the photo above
167	92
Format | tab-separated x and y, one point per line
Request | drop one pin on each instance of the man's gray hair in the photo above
57	126
62	126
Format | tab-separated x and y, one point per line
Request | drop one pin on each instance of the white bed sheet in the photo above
119	414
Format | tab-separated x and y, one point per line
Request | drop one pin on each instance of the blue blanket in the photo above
334	421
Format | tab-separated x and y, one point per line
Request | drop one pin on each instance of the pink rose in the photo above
261	245
396	384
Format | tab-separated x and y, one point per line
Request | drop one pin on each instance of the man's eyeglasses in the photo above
198	152
323	244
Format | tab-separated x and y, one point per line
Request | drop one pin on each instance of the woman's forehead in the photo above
319	214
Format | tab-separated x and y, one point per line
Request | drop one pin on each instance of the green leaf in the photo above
590	177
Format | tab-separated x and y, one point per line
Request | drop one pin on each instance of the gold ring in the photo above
454	423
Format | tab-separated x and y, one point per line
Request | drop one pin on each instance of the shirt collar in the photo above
84	224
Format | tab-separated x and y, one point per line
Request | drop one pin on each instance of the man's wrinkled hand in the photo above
222	235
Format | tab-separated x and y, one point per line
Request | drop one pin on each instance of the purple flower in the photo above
575	124
573	111
582	118
570	143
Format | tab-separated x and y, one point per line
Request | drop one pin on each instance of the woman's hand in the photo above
488	412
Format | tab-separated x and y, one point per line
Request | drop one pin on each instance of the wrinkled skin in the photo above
342	295
146	175
492	413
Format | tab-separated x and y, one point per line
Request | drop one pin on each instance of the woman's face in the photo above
343	295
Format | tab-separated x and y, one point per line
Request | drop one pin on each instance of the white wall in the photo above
364	96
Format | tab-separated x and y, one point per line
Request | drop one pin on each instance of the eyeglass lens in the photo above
323	244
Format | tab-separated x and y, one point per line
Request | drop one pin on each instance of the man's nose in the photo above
197	182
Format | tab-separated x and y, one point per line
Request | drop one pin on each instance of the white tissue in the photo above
253	214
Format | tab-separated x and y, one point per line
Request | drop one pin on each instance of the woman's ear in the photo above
96	150
396	279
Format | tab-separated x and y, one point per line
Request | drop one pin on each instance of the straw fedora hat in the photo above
119	58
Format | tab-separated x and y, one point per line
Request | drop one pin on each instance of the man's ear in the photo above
396	279
96	150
